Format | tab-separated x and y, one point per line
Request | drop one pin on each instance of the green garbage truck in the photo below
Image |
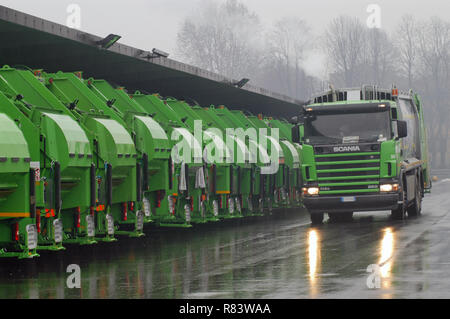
363	149
59	154
188	203
18	230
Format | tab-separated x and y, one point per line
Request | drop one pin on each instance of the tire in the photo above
316	218
340	217
334	217
347	216
400	212
416	208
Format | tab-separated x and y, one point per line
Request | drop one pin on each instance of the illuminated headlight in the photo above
311	191
386	188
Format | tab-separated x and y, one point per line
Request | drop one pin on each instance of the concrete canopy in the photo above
37	43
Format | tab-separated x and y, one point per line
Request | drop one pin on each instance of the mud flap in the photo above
284	194
32	237
140	221
57	231
187	211
250	204
202	208
231	206
171	205
238	205
216	208
110	224
90	226
147	210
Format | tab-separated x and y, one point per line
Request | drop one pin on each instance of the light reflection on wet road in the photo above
267	258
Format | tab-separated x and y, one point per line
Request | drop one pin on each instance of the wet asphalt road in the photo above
278	257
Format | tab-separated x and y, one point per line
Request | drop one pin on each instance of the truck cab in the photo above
363	149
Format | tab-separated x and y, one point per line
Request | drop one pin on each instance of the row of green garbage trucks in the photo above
83	161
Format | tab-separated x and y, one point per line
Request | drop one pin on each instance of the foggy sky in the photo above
154	23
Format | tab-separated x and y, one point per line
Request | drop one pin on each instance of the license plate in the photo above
350	199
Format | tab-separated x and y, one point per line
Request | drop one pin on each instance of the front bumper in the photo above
337	204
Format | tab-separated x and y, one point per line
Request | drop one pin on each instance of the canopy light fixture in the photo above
159	53
109	41
241	83
156	53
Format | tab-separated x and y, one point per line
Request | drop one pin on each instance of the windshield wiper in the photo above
324	140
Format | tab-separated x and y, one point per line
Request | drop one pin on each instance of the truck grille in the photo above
348	173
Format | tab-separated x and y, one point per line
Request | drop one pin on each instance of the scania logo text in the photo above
341	149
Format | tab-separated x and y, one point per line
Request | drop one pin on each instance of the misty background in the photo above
293	47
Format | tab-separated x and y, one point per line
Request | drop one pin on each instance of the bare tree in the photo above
434	45
380	58
287	45
407	46
222	38
345	44
228	39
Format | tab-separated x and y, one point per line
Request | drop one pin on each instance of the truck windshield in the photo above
348	128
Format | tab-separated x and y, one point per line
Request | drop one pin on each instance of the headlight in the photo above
386	188
312	191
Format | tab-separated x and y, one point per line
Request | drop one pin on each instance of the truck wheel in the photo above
340	217
316	218
347	216
400	212
334	217
416	208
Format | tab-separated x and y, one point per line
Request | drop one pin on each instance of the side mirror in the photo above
402	129
294	120
297	120
296	133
